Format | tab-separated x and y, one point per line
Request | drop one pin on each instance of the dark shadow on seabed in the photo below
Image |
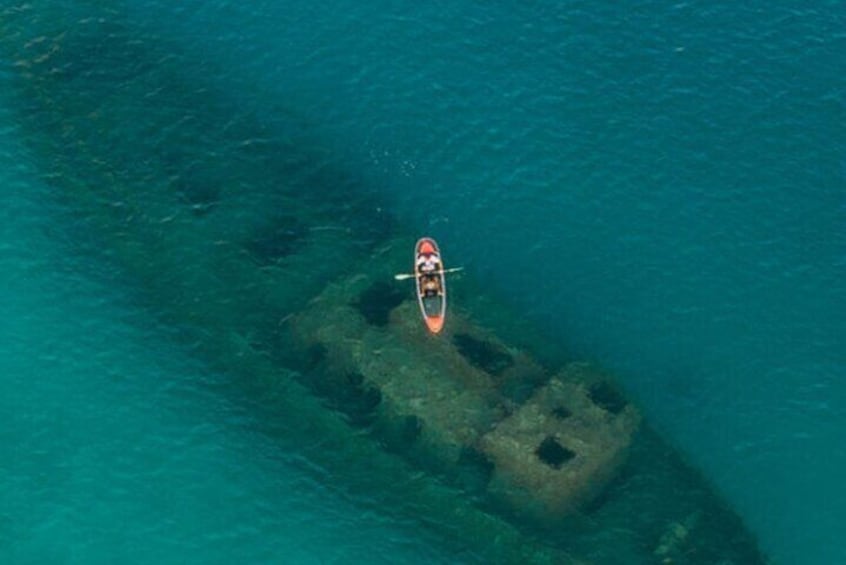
232	224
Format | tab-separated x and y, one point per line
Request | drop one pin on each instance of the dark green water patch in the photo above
607	397
377	301
482	354
194	177
275	240
410	430
106	106
553	453
314	355
561	413
399	434
200	198
613	490
348	394
361	405
519	388
474	470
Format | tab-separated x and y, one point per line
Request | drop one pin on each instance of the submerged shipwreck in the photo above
543	444
276	265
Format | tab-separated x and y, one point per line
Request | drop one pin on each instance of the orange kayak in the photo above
431	283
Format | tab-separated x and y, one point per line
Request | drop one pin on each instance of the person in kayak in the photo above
431	285
428	263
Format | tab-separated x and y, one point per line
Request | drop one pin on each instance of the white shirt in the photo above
428	262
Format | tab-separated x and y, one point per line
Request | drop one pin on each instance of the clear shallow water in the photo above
664	185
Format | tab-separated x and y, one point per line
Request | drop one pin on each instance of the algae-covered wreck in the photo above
277	265
544	444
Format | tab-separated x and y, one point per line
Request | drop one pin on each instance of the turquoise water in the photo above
118	447
660	188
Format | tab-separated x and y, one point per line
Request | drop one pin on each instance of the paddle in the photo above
404	276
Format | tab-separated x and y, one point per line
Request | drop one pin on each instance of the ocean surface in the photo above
660	188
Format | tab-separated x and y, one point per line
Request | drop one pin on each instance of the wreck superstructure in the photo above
245	233
543	444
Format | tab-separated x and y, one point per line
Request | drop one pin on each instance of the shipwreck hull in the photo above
541	444
248	236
